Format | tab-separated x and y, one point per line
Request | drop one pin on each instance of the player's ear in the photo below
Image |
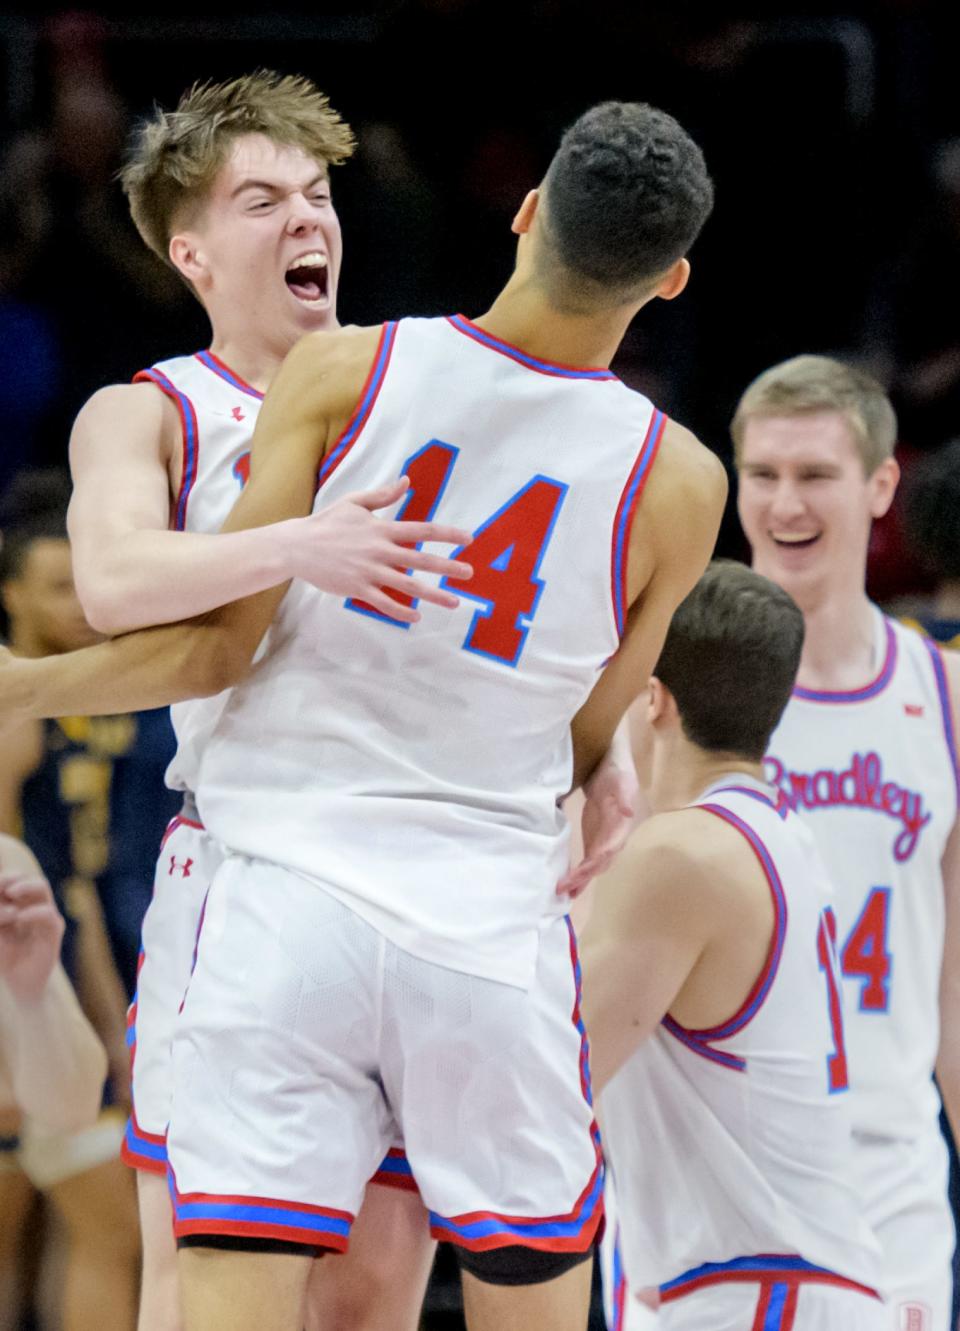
526	213
674	280
187	257
657	696
883	486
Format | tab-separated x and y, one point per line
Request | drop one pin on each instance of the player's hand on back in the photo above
31	931
349	551
611	802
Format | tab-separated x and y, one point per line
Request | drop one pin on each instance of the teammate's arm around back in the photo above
56	1063
306	409
671	543
948	1057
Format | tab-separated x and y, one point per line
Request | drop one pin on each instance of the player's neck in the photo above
839	644
254	358
687	771
522	316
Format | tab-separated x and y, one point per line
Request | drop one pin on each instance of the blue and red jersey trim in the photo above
574	1231
395	1172
258	1217
191	439
178	820
766	1268
626	511
780	805
946	708
466	326
701	1041
223	371
146	1151
868	690
361	413
619	1299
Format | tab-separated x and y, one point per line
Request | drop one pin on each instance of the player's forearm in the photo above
948	1060
151	668
159	577
57	1064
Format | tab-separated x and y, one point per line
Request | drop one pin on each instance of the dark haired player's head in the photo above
41	610
931	512
624	198
730	660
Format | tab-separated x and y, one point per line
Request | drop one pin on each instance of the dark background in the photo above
830	134
833	136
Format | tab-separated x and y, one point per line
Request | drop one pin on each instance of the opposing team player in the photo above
711	998
394	791
233	190
866	753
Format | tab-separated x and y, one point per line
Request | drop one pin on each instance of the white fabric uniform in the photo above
413	776
873	773
756	1103
415	771
218	412
305	1034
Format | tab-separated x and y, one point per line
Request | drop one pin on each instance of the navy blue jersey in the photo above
140	808
65	805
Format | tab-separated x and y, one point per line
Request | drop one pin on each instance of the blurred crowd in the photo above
834	139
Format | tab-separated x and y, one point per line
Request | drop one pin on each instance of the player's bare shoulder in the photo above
125	419
694	862
322	380
678	520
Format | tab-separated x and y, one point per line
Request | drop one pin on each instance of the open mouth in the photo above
307	278
795	542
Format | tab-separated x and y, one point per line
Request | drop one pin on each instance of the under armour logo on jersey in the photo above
184	868
913	709
237	414
241	469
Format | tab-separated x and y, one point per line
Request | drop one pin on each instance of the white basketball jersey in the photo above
415	770
874	774
732	1144
218	411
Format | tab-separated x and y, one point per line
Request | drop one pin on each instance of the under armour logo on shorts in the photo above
184	868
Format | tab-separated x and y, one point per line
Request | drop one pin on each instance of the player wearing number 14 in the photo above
866	754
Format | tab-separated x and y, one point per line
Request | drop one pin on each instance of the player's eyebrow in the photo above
272	187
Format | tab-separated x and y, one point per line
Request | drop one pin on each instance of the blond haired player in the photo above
866	754
232	189
421	969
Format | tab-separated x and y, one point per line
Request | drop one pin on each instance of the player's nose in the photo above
787	501
302	215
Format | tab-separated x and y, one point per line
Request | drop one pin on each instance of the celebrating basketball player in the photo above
866	753
387	947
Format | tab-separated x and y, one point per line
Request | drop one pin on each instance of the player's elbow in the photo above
106	606
213	663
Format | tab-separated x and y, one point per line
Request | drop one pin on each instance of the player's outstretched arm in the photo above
132	571
56	1063
948	1058
307	407
673	538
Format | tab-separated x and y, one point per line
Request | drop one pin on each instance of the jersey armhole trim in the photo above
626	511
943	690
361	412
755	999
191	440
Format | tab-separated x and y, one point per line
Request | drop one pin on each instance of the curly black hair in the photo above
626	195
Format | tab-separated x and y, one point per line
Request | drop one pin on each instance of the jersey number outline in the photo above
865	955
506	552
837	1075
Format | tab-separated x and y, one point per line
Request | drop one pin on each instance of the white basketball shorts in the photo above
307	1037
779	1300
188	859
904	1188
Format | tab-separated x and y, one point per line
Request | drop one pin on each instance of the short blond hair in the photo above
818	383
176	155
